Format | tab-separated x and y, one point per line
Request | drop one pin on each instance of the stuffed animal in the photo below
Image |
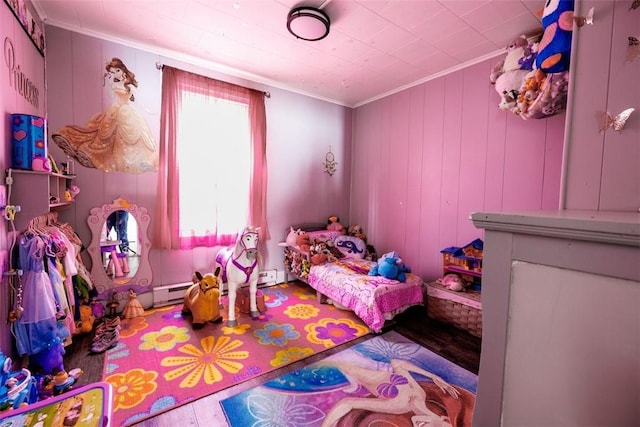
554	52
87	319
48	360
333	224
453	282
292	237
508	86
390	265
303	242
521	55
202	299
356	231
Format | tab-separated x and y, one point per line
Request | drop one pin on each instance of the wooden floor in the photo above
445	340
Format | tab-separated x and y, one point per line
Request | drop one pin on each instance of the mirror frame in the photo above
141	281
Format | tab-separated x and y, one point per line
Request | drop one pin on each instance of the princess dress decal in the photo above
117	139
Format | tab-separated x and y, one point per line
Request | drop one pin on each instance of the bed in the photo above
345	282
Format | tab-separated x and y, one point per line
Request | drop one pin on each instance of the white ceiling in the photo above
374	48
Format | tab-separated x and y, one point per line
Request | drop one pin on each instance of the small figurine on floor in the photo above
132	307
113	304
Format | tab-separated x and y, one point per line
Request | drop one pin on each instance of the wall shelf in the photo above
33	191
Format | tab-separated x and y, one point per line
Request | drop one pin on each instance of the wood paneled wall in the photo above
425	158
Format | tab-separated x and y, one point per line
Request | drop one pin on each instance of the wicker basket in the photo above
461	309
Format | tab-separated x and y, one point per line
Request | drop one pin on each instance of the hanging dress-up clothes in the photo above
36	329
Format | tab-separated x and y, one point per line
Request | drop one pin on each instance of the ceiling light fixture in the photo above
308	23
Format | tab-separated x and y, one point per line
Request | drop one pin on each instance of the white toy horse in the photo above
240	265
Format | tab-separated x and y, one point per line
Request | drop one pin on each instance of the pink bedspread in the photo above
373	298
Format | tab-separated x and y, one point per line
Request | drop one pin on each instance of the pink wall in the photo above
603	169
27	60
300	131
425	158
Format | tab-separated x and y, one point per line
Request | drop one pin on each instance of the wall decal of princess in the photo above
117	139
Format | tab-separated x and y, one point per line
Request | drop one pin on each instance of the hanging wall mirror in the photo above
119	247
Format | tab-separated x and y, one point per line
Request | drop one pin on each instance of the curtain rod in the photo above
160	66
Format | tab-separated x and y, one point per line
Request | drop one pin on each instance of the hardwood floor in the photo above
451	343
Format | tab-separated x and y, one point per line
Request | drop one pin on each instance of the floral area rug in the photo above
387	380
161	362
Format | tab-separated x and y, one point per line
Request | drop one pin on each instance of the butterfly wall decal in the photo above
585	20
615	122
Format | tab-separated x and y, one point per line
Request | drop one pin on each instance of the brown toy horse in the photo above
202	299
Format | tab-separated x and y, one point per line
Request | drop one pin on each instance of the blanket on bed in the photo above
372	298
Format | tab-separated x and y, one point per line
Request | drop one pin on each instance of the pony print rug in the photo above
387	380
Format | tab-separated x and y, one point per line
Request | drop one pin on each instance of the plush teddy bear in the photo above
508	86
356	231
555	47
521	55
390	265
318	254
333	224
303	242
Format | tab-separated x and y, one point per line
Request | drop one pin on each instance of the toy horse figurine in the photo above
240	265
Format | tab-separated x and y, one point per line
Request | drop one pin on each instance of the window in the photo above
212	178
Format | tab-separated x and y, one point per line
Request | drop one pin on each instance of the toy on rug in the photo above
554	52
454	282
87	319
333	224
202	299
240	265
132	308
390	265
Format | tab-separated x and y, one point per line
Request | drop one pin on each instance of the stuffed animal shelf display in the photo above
202	299
390	265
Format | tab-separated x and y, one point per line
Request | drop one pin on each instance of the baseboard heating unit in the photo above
170	294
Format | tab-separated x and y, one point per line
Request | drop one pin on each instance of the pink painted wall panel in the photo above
620	188
451	155
524	164
430	192
588	95
471	157
415	170
473	153
554	143
398	162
